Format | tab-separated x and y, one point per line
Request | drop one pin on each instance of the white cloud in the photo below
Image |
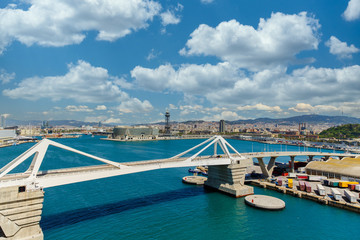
134	105
65	22
152	55
306	108
169	17
101	107
276	41
225	85
206	1
82	83
260	107
341	49
113	120
189	78
225	115
80	108
352	11
6	77
188	109
172	106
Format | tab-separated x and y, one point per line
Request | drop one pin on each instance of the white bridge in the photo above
35	179
21	194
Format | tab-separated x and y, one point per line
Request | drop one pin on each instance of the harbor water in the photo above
157	205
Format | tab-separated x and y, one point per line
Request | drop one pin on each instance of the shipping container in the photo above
321	190
350	196
314	178
334	183
292	175
302	185
357	187
285	174
308	187
301	176
290	183
325	182
344	184
336	194
280	182
352	186
301	170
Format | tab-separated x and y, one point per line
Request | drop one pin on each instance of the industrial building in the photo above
135	133
7	137
346	169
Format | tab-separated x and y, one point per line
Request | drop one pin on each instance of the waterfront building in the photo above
222	126
135	133
7	137
345	169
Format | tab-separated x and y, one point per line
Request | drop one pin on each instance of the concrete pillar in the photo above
267	170
292	163
20	213
230	179
271	165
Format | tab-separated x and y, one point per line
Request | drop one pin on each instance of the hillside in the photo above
344	131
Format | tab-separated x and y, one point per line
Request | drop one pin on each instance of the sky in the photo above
128	61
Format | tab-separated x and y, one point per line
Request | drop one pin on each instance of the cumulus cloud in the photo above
169	17
225	85
276	41
352	11
307	108
260	107
341	49
225	115
80	108
65	22
189	78
101	107
82	83
134	105
172	106
188	109
6	77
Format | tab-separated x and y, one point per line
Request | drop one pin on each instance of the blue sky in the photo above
127	61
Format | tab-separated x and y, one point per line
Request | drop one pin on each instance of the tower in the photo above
222	126
167	124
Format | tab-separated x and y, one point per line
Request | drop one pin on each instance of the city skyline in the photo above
128	61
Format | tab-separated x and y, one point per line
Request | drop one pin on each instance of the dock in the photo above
295	192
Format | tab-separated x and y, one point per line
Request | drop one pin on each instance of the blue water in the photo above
157	205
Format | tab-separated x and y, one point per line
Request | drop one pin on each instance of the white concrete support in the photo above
230	179
292	163
20	213
267	170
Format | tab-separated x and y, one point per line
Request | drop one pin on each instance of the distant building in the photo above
167	123
7	137
222	126
135	133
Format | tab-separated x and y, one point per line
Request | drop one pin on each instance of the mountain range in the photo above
309	119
